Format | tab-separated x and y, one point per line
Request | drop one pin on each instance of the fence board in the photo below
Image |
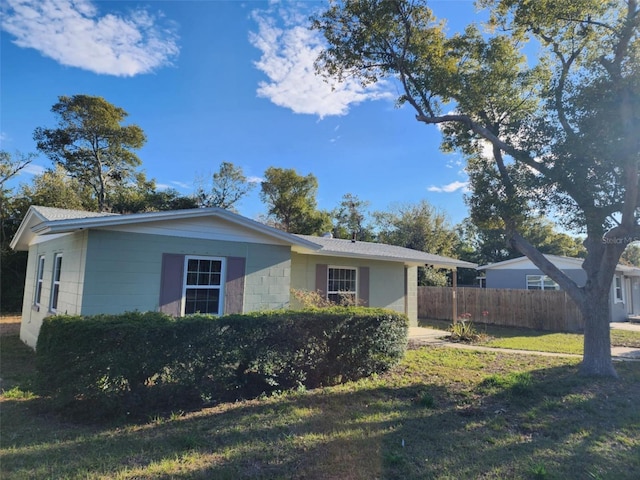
543	310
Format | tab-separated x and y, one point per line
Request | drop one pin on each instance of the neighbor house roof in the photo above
336	247
51	221
558	260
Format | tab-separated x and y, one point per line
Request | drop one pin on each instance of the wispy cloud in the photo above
183	185
255	179
74	33
450	187
33	169
289	49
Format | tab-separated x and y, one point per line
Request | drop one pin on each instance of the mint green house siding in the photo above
207	259
72	247
125	270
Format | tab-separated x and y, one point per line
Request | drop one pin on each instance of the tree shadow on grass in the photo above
543	423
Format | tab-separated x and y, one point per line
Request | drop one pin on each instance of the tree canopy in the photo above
91	143
228	186
558	134
291	202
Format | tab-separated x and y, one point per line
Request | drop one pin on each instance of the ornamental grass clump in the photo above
465	331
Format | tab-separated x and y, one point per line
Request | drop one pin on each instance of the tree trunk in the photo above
596	360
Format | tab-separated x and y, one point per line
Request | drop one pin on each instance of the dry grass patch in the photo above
10	324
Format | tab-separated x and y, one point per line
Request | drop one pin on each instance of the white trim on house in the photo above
334	292
197	286
37	296
54	297
36	223
541	282
563	263
618	288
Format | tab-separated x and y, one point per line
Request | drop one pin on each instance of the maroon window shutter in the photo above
363	286
322	274
171	284
234	285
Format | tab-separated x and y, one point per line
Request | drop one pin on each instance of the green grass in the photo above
537	340
441	414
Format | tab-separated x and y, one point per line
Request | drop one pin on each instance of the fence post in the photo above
454	283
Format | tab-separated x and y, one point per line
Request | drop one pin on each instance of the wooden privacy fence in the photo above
542	310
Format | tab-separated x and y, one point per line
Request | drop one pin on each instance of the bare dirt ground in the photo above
9	325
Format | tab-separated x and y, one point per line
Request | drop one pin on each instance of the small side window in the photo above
39	278
55	282
617	285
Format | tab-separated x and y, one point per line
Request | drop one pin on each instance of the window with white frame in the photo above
541	282
39	278
341	285
55	282
617	289
203	282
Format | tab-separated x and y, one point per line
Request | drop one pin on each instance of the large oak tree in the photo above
559	133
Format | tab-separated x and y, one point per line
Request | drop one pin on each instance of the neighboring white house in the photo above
205	260
520	273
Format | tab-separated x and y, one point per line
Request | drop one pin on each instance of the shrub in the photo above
140	361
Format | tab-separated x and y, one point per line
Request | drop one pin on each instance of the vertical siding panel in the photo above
234	285
171	284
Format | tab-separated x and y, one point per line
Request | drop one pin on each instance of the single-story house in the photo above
520	273
206	260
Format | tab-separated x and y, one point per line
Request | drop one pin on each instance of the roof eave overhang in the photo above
72	225
24	235
411	262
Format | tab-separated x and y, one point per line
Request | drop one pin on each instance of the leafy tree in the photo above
490	244
561	134
143	196
12	264
92	144
631	255
349	218
420	227
291	202
229	185
55	188
10	165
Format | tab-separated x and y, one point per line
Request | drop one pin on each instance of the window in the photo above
541	282
55	283
203	285
39	278
342	285
617	287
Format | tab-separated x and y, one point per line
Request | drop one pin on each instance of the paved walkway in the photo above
428	336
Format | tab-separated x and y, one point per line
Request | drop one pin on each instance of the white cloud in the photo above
255	179
450	187
183	185
288	55
74	33
33	169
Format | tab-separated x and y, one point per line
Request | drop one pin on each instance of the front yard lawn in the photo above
538	340
442	413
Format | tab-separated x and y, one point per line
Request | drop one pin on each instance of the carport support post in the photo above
454	303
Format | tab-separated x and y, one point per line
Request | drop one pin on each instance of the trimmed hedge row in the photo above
140	362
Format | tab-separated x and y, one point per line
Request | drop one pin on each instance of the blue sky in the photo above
212	81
